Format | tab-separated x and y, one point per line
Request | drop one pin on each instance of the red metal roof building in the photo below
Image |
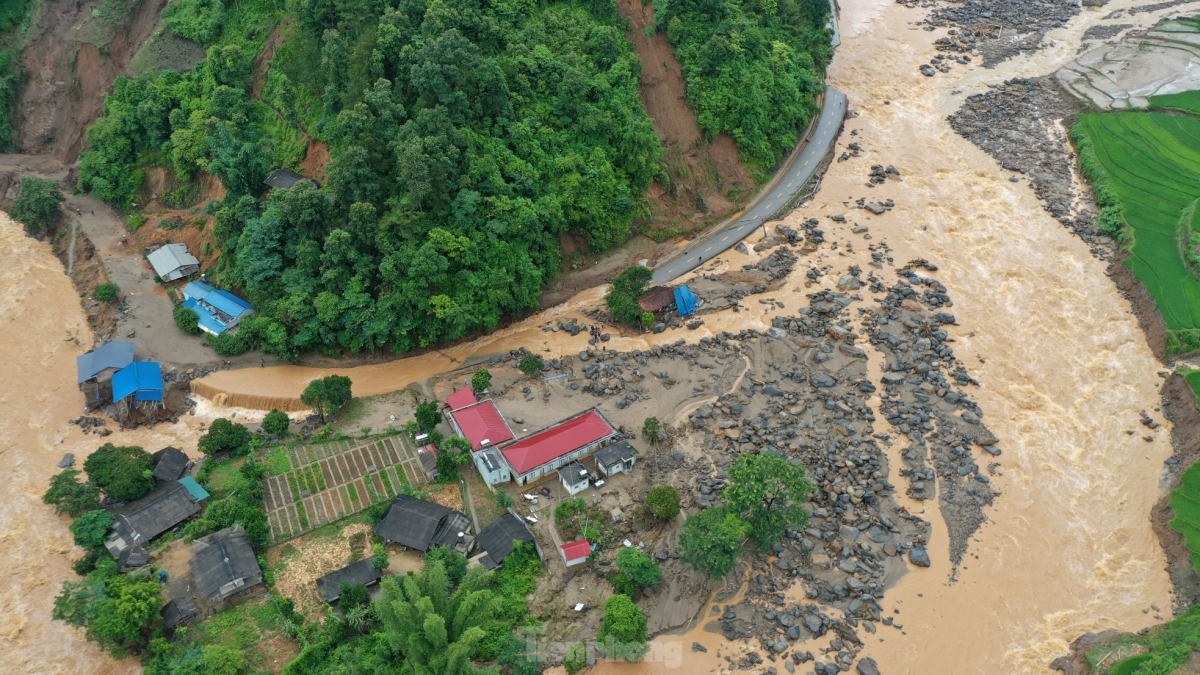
545	451
481	424
460	399
576	552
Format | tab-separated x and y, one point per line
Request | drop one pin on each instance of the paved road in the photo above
773	198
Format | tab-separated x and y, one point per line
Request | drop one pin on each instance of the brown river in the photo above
1063	366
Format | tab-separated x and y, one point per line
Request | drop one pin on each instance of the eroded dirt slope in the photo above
76	50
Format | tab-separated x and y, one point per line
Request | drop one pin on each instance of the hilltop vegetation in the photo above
752	67
466	138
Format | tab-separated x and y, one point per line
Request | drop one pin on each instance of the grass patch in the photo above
1130	665
1144	167
1184	101
1170	645
1185	502
223	478
248	628
277	462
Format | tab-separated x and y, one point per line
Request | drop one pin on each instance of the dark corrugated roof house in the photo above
499	538
178	610
169	463
419	524
283	179
141	522
361	573
224	564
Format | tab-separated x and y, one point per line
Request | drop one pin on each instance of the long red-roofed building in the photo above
545	451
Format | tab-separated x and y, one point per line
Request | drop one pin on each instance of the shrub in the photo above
503	499
622	633
379	557
106	292
636	572
455	563
187	320
481	380
663	502
122	472
569	508
428	415
531	364
575	659
225	436
227	344
276	423
651	428
352	596
197	20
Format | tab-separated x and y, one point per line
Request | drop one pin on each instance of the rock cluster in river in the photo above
996	29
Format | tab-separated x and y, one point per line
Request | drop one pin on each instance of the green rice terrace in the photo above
325	481
1146	170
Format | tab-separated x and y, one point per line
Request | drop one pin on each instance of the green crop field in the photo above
1149	164
1186	101
1185	501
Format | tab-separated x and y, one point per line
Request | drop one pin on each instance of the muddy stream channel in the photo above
1063	367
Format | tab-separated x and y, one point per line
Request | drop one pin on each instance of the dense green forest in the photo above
752	67
467	137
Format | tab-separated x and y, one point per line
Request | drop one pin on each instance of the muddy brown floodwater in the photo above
1063	365
40	318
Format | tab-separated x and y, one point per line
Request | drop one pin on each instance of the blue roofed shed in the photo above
218	310
194	489
141	379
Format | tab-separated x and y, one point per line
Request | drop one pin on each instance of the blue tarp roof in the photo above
114	354
685	300
227	302
198	493
141	378
206	318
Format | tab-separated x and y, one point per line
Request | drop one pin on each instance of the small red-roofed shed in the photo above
576	552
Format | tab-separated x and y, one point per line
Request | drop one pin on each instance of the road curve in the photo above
771	200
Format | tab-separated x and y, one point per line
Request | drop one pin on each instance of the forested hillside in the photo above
466	137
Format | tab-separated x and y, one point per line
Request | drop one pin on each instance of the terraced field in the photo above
327	481
1185	501
1152	163
1184	101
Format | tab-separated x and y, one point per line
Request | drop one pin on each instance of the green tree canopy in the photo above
435	629
455	563
632	280
91	528
530	365
122	472
663	502
768	491
69	496
187	320
106	292
481	380
225	436
116	610
276	423
327	395
38	205
636	571
651	428
622	632
428	415
712	541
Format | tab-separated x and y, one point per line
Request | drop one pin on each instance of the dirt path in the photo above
149	321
